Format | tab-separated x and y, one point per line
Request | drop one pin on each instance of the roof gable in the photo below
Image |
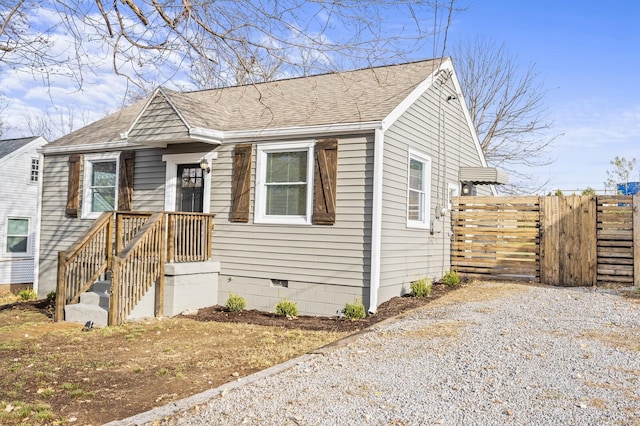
7	146
158	121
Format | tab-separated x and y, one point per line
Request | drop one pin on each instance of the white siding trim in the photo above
261	192
453	190
101	147
467	116
36	250
236	136
376	220
171	177
9	158
415	94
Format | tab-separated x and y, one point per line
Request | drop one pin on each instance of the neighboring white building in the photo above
19	186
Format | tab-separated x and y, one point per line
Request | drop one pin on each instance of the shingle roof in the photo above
344	97
7	146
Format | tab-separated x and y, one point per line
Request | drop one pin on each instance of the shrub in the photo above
451	278
235	303
421	287
27	294
354	311
287	308
51	296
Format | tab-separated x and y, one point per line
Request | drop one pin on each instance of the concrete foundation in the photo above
311	298
190	286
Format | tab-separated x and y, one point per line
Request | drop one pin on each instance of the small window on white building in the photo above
100	184
284	183
17	236
34	171
418	190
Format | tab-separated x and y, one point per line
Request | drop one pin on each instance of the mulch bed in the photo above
388	309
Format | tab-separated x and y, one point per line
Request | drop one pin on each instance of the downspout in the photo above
376	220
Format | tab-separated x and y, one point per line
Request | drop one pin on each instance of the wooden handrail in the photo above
127	226
90	233
136	269
84	262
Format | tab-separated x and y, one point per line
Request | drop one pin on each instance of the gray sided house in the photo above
325	189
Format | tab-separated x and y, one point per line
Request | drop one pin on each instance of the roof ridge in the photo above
349	71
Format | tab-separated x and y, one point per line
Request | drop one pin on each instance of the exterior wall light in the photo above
204	165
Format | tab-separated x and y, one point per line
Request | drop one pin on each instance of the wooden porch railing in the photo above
136	269
127	226
188	237
81	265
126	243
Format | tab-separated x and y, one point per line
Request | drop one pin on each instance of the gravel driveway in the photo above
489	353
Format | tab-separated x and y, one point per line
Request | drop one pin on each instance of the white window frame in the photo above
87	168
171	177
7	253
37	175
426	189
261	189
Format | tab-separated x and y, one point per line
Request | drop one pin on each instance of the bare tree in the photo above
55	122
506	103
3	107
620	174
149	40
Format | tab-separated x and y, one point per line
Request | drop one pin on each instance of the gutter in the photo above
376	220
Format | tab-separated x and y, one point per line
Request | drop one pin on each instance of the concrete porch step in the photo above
101	286
93	305
82	312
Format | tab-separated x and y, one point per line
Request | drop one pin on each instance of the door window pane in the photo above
190	190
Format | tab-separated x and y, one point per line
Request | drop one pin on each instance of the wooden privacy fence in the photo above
567	241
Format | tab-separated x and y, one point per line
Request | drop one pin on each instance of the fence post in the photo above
61	296
636	240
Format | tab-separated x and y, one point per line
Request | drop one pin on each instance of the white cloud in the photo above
592	137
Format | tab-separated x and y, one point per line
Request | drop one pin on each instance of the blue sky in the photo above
586	53
588	56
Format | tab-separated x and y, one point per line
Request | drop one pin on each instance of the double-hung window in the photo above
100	184
284	183
17	236
418	190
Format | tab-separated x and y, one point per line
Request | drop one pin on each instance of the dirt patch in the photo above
56	373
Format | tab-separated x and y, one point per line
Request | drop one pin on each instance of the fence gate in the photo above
496	237
568	241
